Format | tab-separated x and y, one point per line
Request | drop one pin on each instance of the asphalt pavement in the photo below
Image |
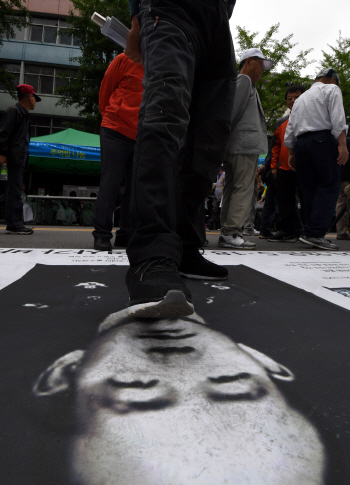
77	237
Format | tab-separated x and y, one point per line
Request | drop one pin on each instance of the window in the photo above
19	34
51	31
15	69
45	79
43	125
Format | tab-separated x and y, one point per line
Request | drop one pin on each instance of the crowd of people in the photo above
174	111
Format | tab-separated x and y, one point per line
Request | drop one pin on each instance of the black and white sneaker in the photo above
319	242
235	242
281	236
156	290
24	231
194	265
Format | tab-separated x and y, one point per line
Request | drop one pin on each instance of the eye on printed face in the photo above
175	402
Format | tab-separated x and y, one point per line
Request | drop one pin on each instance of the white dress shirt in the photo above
319	108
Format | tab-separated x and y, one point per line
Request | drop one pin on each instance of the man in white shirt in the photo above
316	142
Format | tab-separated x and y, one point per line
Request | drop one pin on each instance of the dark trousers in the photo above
269	210
184	125
318	176
117	153
14	204
286	185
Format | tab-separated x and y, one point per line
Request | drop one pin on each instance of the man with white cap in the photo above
316	142
248	139
14	149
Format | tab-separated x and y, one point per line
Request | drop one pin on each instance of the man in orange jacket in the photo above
285	178
119	100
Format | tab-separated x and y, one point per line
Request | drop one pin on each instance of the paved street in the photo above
77	237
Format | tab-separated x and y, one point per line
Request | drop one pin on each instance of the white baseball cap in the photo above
254	52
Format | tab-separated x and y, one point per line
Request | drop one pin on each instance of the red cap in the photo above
27	89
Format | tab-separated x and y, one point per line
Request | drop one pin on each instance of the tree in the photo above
272	85
97	52
339	60
12	14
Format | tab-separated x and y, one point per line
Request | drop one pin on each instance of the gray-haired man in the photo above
248	139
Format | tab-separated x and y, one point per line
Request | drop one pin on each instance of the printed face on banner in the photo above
172	401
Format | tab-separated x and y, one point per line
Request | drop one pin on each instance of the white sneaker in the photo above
235	242
250	232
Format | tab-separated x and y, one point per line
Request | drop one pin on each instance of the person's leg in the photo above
327	176
248	226
243	171
215	214
285	192
268	210
116	153
306	177
171	57
343	223
126	229
14	203
169	63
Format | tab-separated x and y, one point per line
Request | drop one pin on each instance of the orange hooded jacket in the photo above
120	96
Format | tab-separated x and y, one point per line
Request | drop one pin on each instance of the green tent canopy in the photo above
66	152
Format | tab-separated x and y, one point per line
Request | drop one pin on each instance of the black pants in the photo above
318	176
14	203
117	153
184	124
270	210
286	185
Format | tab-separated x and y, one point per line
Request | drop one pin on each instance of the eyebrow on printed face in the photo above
256	389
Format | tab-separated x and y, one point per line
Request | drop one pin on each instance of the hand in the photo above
343	155
291	162
3	159
274	172
133	45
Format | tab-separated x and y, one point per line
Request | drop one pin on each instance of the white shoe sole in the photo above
226	245
173	305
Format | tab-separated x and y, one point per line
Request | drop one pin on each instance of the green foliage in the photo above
272	85
12	14
339	59
97	52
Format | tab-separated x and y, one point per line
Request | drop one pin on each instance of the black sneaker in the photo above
24	231
102	244
157	291
319	242
194	265
265	235
281	236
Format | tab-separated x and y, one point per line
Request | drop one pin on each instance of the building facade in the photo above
39	56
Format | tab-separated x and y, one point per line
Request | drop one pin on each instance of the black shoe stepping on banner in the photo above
194	265
156	290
